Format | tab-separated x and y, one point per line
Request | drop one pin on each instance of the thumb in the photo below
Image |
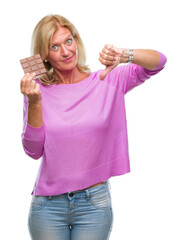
108	69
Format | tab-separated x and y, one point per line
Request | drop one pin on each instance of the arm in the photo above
33	130
111	56
146	58
146	63
35	118
138	73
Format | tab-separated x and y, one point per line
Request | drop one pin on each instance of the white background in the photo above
150	202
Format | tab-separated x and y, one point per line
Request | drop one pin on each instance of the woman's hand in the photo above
31	89
111	56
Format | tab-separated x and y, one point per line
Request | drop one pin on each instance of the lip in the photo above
67	60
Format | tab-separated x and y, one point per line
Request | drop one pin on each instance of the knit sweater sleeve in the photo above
128	76
32	137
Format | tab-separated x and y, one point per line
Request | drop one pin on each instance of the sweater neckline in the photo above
72	85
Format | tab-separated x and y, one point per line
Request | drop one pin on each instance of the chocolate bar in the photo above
33	64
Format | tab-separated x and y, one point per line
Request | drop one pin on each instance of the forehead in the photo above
61	33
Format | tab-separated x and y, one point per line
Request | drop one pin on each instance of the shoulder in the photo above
37	80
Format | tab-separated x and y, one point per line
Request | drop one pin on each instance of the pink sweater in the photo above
83	140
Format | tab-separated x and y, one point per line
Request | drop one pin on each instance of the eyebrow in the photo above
68	36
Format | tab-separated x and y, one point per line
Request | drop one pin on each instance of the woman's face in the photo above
63	50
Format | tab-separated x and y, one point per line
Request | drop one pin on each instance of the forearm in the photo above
33	135
144	57
35	118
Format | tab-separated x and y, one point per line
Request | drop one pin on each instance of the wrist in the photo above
35	104
130	55
127	55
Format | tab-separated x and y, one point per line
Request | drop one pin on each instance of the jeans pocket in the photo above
101	199
38	202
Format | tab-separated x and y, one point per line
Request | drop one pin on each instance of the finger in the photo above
37	89
108	51
106	62
114	51
28	80
33	84
109	47
22	83
106	56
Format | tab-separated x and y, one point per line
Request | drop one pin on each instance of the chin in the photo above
67	67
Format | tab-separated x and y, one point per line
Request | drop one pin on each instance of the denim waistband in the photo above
88	191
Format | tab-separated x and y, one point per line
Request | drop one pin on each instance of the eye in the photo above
54	47
69	41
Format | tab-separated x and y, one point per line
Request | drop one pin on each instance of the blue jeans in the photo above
80	215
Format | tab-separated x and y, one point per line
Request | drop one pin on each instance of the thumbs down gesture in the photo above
111	56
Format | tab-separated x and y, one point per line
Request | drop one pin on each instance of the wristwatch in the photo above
131	56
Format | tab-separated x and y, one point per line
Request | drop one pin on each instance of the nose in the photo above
64	50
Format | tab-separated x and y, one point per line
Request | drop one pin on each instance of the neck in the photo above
68	77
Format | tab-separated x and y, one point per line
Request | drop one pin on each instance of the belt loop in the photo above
87	194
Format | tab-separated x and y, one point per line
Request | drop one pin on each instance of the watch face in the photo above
131	57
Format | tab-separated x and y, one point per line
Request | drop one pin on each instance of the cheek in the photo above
53	57
76	56
76	52
75	48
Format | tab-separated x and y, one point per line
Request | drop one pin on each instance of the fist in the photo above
111	56
30	88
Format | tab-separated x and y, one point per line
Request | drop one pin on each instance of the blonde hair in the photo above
42	37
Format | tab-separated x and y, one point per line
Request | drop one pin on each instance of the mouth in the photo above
67	59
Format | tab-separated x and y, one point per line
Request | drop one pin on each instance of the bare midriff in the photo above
95	185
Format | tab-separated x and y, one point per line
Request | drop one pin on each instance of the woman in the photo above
75	120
